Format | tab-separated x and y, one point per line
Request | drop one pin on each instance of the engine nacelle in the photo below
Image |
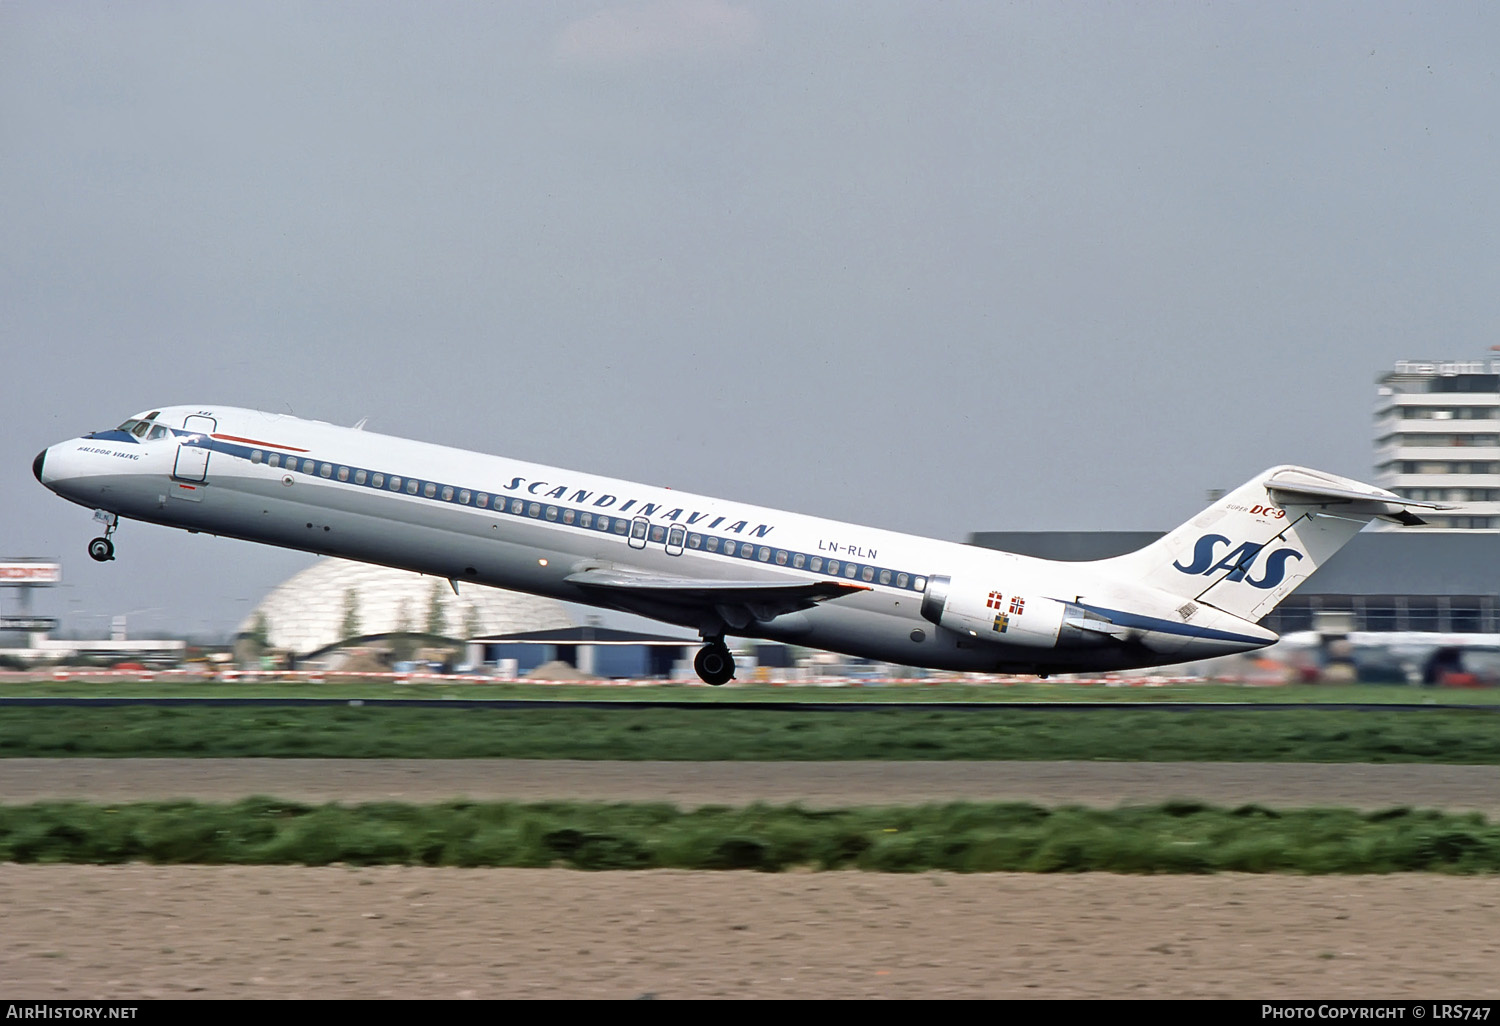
1005	618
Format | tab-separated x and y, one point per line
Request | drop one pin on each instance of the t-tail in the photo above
1253	547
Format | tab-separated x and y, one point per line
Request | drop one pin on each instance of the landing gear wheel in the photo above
714	664
102	549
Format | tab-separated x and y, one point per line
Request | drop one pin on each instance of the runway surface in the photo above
813	784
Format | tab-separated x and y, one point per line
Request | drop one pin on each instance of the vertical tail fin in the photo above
1253	547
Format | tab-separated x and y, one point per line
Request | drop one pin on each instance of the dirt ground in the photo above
146	932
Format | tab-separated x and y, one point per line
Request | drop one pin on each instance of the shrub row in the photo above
1177	837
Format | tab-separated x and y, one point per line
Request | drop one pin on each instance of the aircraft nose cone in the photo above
36	465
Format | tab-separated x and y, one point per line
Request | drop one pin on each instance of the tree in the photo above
351	628
260	631
401	642
436	621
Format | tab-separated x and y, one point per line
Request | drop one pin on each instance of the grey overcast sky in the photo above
934	267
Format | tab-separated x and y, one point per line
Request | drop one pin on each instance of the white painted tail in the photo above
1253	547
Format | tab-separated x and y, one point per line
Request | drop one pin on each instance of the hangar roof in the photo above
335	599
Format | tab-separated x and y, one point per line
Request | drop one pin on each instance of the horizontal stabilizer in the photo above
1295	486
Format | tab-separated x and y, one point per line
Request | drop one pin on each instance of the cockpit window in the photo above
140	429
157	431
152	415
128	426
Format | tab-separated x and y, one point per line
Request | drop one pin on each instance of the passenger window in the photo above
711	544
395	483
343	473
638	529
781	557
429	490
551	512
695	541
620	525
534	510
867	574
569	516
901	580
920	584
849	569
658	533
885	577
585	520
483	500
747	551
463	497
359	477
378	480
411	486
326	470
833	567
256	455
603	524
728	547
517	507
309	466
447	493
816	566
764	554
798	561
273	460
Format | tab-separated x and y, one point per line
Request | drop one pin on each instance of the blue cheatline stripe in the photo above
1154	623
568	516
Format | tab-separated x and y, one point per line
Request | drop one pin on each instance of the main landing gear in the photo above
714	662
102	549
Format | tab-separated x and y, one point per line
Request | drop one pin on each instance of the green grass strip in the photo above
82	686
709	734
1178	837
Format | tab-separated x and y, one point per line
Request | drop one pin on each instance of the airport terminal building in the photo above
1437	438
1414	579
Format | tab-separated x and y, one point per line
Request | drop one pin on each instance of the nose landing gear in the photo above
102	549
714	662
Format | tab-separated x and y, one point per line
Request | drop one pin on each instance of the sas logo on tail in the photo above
1239	561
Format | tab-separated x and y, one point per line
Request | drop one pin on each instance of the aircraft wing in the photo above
737	603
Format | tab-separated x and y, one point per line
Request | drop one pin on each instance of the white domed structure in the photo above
337	599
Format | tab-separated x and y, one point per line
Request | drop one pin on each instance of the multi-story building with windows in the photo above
1437	438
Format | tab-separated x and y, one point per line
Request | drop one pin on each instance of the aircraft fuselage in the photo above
692	560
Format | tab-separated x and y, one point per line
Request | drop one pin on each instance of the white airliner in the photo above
716	566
